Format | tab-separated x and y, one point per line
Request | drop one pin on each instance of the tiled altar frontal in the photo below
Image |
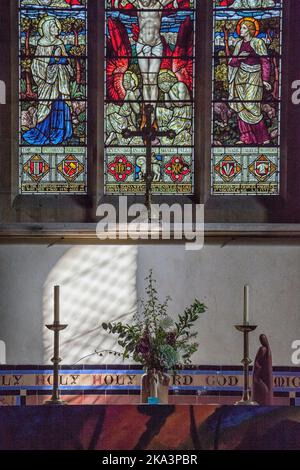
107	384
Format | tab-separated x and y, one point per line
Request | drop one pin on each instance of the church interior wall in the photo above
100	283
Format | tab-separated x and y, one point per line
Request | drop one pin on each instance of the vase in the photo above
155	385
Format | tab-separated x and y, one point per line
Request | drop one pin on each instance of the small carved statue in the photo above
263	374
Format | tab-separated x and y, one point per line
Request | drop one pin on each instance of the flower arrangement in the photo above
154	339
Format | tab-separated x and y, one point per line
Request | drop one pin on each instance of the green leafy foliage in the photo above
77	91
154	339
23	86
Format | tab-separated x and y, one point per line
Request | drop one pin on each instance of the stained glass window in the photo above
246	97
53	96
149	60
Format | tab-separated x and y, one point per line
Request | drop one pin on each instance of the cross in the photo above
148	134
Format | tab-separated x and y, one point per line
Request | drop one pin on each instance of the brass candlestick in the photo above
56	327
246	361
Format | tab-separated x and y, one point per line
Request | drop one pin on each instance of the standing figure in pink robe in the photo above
248	75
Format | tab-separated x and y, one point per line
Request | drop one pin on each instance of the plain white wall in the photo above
23	271
100	281
216	275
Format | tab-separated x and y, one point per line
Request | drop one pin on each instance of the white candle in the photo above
246	305
56	304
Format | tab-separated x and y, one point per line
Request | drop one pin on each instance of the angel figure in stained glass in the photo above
248	75
175	82
51	72
120	117
176	111
122	85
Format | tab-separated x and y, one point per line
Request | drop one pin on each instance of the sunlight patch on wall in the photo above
98	283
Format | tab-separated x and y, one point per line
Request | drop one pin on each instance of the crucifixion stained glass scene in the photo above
149	60
53	96
246	97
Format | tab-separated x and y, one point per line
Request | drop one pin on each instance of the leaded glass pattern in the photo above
149	59
53	96
246	97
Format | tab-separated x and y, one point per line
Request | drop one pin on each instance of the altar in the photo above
113	384
134	427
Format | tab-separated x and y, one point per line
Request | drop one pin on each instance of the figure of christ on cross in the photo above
149	46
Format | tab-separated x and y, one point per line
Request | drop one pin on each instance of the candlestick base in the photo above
55	402
246	403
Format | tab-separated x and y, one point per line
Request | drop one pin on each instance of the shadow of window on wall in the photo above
98	283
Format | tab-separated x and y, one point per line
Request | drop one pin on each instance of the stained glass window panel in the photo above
53	96
240	4
246	97
149	60
67	4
